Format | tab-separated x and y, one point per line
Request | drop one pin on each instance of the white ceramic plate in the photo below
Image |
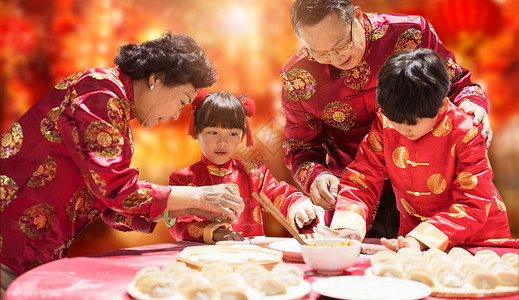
291	249
365	287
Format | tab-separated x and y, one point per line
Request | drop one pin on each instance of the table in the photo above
105	275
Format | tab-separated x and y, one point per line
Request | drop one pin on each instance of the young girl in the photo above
219	122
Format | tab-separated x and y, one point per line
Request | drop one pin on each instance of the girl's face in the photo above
219	144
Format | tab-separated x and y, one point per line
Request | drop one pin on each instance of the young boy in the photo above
436	160
219	123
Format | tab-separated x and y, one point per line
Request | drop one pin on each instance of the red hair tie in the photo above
250	109
202	94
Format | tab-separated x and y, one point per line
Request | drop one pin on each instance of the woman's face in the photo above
335	43
219	144
162	102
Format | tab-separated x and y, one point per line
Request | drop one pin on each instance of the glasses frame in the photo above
325	56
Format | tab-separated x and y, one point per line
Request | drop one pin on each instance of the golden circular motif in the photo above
11	141
195	229
80	205
443	128
457	211
437	183
8	189
400	157
354	208
339	115
36	221
383	119
471	134
454	149
409	39
467	180
249	166
49	125
69	81
138	199
374	142
359	179
357	77
379	32
44	174
103	139
257	215
298	84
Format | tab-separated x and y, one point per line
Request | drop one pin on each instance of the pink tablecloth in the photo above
105	275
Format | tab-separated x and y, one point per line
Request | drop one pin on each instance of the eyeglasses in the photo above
343	48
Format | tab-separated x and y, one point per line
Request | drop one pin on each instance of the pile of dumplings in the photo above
213	281
455	271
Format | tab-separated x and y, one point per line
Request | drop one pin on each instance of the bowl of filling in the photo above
330	256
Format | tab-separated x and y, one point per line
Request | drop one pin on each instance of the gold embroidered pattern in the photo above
498	241
453	69
8	189
138	199
410	210
339	115
69	81
122	220
94	182
44	174
298	84
383	119
500	204
81	205
357	77
471	134
49	125
312	121
354	208
75	140
472	90
304	171
443	128
418	194
36	222
414	164
294	144
457	211
467	181
374	142
400	157
195	229
11	141
454	150
279	201
379	32
437	183
217	171
256	214
103	139
249	166
60	251
409	39
359	179
118	111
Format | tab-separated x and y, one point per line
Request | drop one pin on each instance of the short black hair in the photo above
176	57
220	109
311	12
412	84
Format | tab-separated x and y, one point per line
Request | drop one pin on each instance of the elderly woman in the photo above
67	160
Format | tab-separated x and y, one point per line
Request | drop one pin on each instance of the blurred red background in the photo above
42	42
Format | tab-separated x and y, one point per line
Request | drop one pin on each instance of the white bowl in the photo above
330	256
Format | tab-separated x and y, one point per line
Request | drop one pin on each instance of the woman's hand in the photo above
323	190
222	234
326	232
307	212
214	202
401	242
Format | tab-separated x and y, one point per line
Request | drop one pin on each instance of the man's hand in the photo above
480	117
326	232
323	190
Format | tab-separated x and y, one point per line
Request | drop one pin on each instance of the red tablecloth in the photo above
105	275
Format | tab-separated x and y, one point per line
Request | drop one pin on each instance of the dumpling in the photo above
289	274
155	285
420	275
511	259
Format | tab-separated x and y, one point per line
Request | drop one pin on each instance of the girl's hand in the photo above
222	234
308	212
326	232
401	242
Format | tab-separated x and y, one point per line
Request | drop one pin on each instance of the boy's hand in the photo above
222	234
401	242
324	190
307	213
323	231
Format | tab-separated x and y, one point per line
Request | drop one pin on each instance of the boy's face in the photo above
414	132
219	144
